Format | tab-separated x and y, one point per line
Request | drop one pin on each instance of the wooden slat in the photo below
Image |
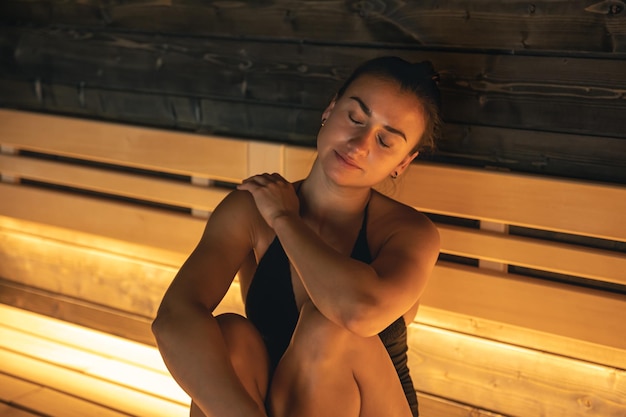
578	25
575	95
98	277
65	359
298	162
578	313
9	411
91	389
160	150
588	209
12	388
114	183
172	258
41	335
512	380
525	200
522	336
52	403
433	406
115	281
566	259
72	310
547	308
39	399
113	220
104	367
97	316
60	332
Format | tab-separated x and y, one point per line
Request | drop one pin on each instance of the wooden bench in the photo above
525	314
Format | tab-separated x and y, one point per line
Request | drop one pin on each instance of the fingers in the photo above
263	180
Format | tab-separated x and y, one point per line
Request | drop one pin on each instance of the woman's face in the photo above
369	132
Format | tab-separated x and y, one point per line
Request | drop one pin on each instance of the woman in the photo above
331	270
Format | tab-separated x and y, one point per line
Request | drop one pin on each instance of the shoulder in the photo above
237	216
390	219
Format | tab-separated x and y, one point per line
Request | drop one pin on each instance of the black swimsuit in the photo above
271	306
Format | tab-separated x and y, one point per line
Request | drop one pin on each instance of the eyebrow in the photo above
368	112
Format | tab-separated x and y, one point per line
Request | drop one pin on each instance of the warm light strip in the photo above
51	350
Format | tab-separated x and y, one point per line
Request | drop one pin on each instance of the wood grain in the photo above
512	26
155	149
114	183
561	309
585	208
512	380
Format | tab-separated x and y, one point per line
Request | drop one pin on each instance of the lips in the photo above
346	160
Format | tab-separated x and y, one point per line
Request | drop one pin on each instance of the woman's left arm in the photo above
364	298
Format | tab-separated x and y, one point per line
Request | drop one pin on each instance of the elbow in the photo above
161	325
167	322
362	320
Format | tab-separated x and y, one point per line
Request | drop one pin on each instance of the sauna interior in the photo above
124	123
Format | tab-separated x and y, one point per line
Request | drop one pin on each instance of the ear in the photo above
329	108
405	162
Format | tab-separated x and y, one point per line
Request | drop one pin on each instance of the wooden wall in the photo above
528	86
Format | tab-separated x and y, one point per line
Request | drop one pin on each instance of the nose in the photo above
359	144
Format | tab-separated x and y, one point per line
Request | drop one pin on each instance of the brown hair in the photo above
419	78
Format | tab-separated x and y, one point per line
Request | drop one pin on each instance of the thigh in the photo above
329	371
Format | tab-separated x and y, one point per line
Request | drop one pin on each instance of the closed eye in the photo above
382	142
354	120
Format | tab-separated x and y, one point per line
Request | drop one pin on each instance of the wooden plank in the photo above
72	310
432	406
560	309
107	368
172	258
113	220
298	162
265	157
509	26
575	95
9	411
114	183
547	307
596	264
102	278
521	336
49	402
97	316
542	152
159	150
62	337
91	389
512	380
523	200
80	338
12	388
209	115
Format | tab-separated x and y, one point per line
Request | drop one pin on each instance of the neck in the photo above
324	200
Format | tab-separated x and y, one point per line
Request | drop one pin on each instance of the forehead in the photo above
387	101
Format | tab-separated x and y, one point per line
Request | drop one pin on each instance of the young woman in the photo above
331	270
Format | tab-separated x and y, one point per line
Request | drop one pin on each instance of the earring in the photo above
323	122
394	175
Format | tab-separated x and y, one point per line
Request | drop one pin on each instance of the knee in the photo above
237	330
242	339
318	340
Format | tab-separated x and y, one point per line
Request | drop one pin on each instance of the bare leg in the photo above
329	371
248	356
